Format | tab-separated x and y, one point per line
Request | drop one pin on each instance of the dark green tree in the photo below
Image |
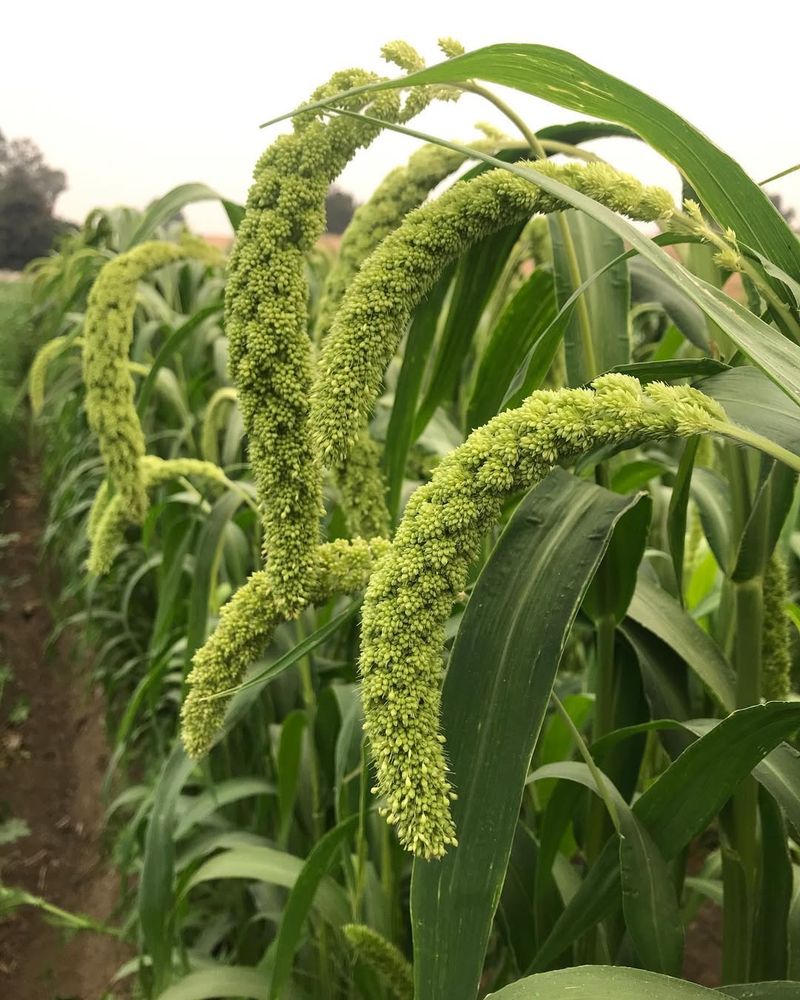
339	208
28	192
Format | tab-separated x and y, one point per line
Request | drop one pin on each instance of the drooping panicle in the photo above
267	325
358	475
245	628
37	374
109	516
376	308
413	588
399	193
106	372
382	956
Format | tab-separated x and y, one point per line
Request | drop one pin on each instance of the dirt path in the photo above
52	758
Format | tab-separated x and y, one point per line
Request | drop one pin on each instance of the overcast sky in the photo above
132	99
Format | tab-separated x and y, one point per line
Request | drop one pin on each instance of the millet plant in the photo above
498	515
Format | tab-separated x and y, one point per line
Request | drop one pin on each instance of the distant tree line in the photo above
28	192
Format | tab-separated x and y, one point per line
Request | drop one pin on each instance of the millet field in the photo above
413	616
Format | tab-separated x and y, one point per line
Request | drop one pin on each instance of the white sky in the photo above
131	99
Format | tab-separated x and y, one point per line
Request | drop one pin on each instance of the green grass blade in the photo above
207	558
677	807
733	198
164	208
301	899
656	611
266	864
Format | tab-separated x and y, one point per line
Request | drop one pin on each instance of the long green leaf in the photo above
678	806
648	893
655	610
214	984
597	982
164	208
301	899
773	353
733	198
220	794
265	864
607	300
155	898
752	401
207	558
173	342
496	692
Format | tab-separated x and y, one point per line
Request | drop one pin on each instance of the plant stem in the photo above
736	433
740	863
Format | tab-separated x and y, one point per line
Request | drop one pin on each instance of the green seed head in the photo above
245	627
382	956
412	589
776	678
106	372
396	277
267	325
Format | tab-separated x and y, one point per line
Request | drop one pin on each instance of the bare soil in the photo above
53	754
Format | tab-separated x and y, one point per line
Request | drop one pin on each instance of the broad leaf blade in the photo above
607	299
598	982
495	695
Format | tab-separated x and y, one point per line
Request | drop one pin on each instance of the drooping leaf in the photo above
597	982
733	198
215	984
678	806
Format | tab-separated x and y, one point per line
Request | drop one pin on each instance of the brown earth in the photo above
52	762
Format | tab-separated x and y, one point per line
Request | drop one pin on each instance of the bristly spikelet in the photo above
450	47
392	282
109	517
382	956
245	627
106	372
412	589
266	321
403	55
776	661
